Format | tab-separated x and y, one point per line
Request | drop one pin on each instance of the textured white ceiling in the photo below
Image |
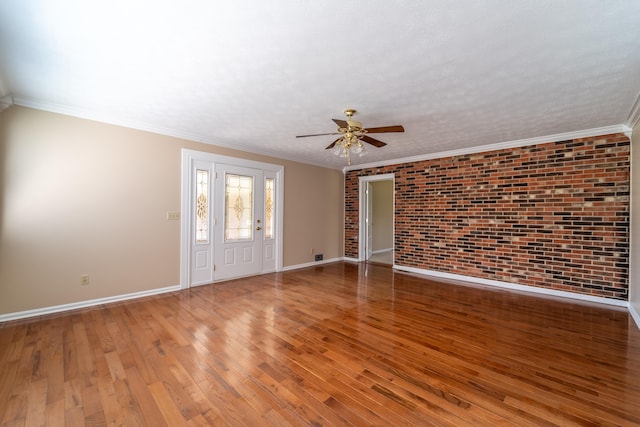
253	74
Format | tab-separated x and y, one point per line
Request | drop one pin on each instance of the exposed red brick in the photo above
553	215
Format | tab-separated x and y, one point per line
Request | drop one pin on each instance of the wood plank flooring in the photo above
338	344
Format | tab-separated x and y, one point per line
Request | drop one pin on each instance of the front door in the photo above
231	218
239	217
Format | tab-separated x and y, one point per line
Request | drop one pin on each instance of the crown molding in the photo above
634	114
6	102
606	130
88	115
116	121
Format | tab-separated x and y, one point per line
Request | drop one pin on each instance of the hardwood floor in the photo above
339	344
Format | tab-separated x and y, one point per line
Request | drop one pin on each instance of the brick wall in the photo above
553	215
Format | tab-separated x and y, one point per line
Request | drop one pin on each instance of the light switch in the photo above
173	216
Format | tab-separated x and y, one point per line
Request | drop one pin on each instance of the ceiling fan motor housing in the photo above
354	126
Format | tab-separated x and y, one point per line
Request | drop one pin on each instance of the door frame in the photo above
364	214
186	216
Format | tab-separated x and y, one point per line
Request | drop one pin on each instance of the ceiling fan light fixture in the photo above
357	147
347	145
353	135
343	154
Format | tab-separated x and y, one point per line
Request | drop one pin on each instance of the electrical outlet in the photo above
84	279
319	257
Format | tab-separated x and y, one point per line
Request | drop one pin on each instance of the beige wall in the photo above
634	264
382	215
83	197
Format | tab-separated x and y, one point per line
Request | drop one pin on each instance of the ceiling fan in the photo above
352	134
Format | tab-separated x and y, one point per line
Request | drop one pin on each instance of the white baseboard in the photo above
83	304
512	286
441	275
90	303
381	251
311	264
634	314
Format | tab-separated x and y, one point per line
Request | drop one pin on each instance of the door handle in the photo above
258	228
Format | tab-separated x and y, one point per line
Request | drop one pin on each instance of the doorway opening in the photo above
376	228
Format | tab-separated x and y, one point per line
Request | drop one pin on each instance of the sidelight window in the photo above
202	206
269	208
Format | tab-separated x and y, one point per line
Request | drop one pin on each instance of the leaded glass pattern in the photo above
202	206
238	218
268	208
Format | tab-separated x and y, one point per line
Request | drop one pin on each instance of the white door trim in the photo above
186	215
364	211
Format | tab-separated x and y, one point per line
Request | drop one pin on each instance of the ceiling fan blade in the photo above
372	141
333	144
318	134
340	123
383	129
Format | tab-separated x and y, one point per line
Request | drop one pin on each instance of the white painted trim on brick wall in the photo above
512	286
83	304
633	245
363	210
498	146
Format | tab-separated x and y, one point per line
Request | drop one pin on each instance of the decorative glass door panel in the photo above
269	199
239	227
202	206
269	245
239	212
